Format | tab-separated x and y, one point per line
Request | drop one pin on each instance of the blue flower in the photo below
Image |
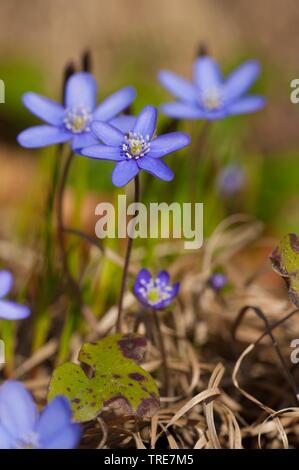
155	293
231	180
72	122
22	428
218	281
209	96
137	149
10	310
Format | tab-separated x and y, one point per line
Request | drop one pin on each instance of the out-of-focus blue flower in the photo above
137	149
21	427
156	293
10	310
231	180
209	95
218	281
72	122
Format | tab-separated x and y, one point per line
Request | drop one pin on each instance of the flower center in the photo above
29	441
77	120
136	145
154	291
211	99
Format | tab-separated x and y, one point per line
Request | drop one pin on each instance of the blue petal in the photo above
81	91
240	80
146	121
86	139
124	172
124	123
42	136
6	441
6	282
66	438
107	133
249	104
12	311
174	292
44	108
163	277
55	429
168	143
143	276
18	413
207	74
103	152
177	86
182	111
115	104
156	167
216	114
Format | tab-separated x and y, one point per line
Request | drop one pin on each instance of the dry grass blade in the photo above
44	353
241	390
209	407
201	397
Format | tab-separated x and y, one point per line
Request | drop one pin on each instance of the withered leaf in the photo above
285	261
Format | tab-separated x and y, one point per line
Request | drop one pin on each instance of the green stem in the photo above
197	157
74	288
127	263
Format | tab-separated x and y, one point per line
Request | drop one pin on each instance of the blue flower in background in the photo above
22	428
156	293
72	122
210	96
231	180
10	310
137	149
218	281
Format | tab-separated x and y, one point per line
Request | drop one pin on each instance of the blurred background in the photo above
130	42
250	163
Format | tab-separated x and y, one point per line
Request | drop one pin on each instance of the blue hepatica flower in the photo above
218	281
231	180
137	149
156	293
10	310
210	96
21	427
72	122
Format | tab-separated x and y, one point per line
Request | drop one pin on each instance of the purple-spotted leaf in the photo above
117	379
285	261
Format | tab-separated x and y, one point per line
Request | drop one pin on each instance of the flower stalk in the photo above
161	346
60	228
127	262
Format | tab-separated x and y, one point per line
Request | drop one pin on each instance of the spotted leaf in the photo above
115	379
285	261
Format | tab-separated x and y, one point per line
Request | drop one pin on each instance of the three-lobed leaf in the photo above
117	379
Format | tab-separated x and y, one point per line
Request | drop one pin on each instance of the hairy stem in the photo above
161	346
74	288
197	154
127	263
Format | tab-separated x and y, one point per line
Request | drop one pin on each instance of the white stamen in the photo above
211	98
29	441
154	291
136	145
77	120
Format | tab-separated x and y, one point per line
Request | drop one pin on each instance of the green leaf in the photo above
117	379
285	261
